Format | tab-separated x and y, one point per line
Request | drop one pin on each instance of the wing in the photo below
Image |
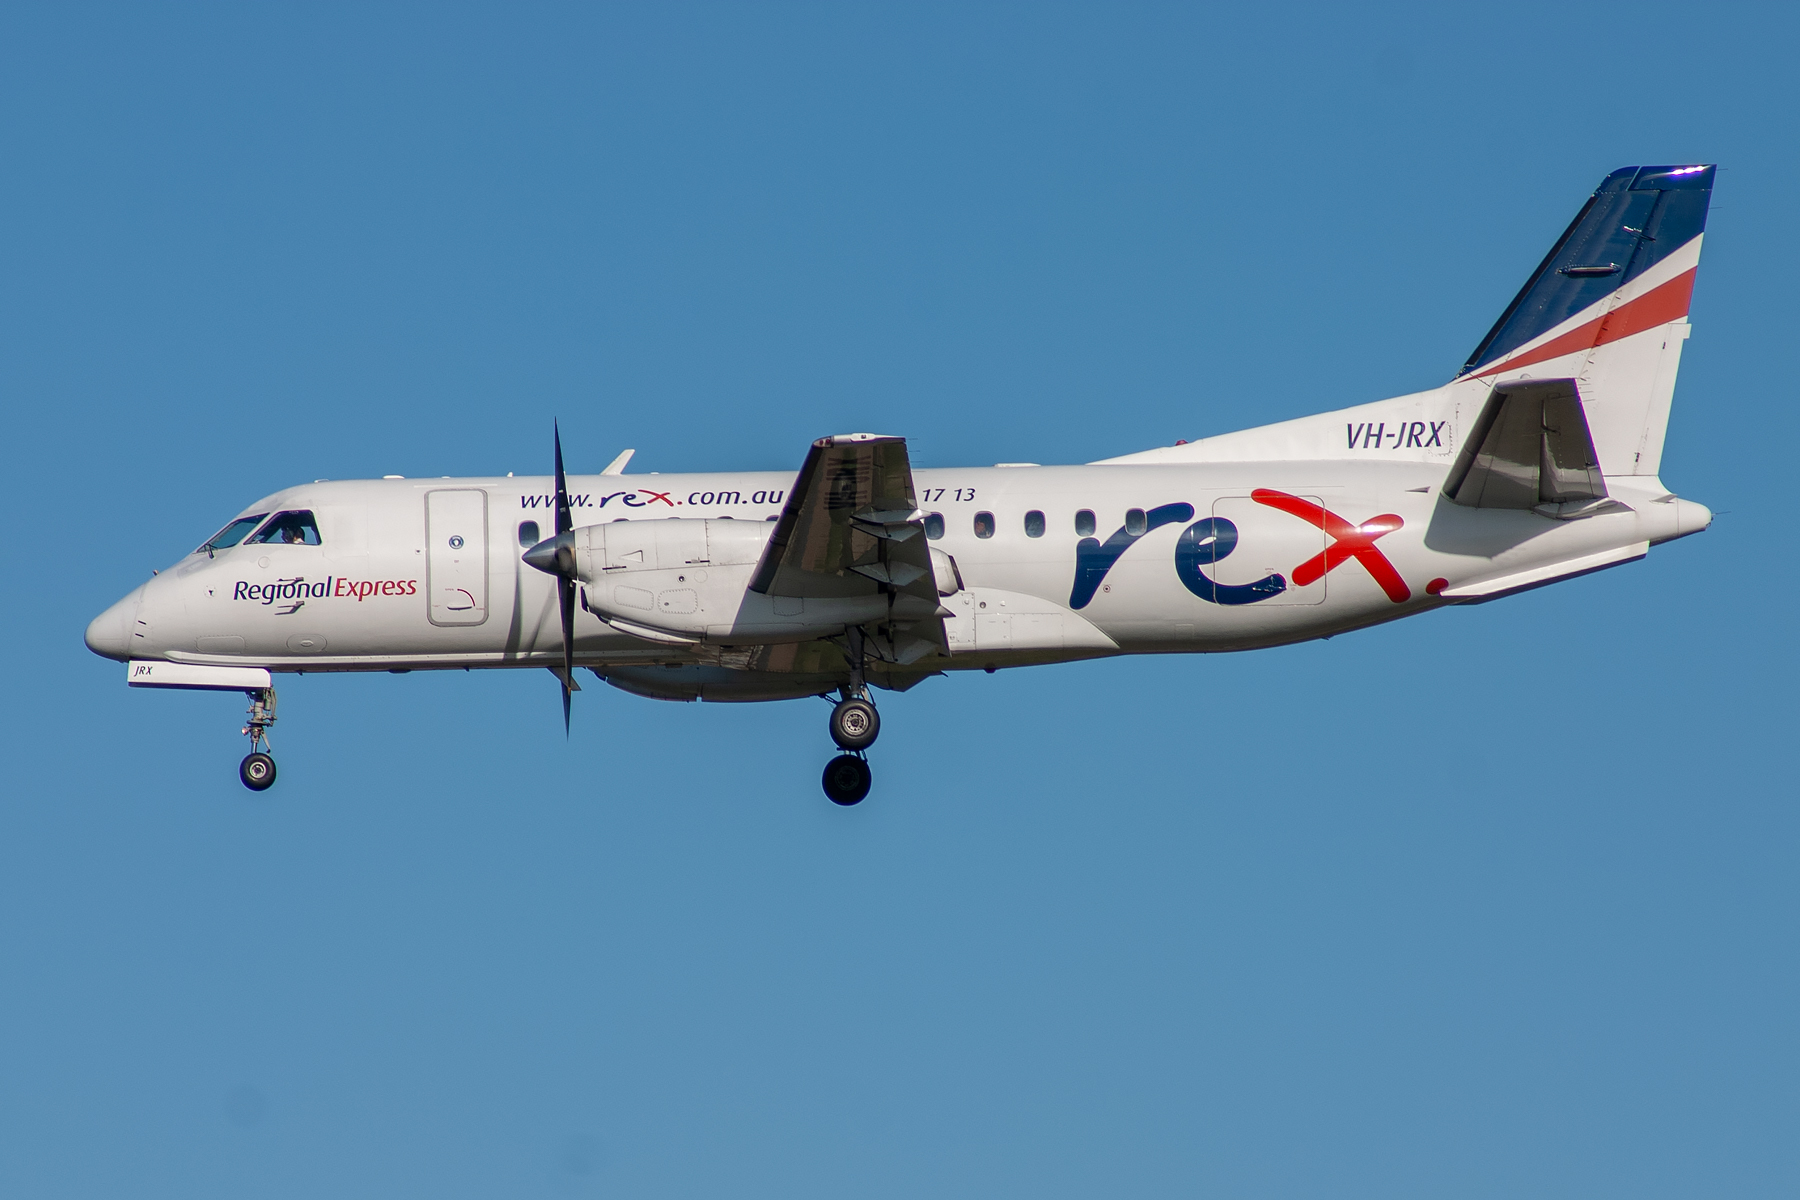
852	527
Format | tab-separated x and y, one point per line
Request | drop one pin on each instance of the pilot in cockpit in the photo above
294	528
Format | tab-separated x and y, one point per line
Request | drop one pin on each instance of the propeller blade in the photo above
556	556
567	587
564	522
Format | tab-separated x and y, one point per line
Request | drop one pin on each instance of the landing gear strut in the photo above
854	727
258	769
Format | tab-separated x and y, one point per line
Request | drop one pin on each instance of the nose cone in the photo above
109	634
553	556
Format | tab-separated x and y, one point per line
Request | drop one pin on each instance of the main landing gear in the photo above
854	727
258	769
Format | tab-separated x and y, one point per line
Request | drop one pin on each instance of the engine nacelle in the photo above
684	580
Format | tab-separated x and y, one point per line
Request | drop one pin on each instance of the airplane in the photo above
1538	462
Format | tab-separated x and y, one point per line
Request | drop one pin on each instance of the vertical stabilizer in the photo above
1608	308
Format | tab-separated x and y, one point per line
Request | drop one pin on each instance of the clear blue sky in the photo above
1496	902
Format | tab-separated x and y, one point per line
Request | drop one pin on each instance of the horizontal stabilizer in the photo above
1482	590
1531	449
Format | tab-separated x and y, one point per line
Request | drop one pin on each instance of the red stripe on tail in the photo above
1661	304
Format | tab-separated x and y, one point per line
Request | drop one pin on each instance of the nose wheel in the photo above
257	771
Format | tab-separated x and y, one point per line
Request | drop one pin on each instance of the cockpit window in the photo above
295	528
232	534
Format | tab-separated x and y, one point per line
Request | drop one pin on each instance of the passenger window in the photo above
295	528
528	534
984	524
1084	523
1136	523
1034	524
232	534
934	525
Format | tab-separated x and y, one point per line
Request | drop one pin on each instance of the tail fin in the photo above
1608	308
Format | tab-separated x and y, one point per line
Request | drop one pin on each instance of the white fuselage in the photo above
385	590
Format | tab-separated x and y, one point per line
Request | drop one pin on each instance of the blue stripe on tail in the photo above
1636	218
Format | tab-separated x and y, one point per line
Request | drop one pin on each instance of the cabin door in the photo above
456	555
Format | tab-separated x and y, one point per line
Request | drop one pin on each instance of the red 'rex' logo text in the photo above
1348	541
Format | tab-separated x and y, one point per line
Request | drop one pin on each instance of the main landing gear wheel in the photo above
257	771
855	724
846	779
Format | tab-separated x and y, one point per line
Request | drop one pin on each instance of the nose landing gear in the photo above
258	769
